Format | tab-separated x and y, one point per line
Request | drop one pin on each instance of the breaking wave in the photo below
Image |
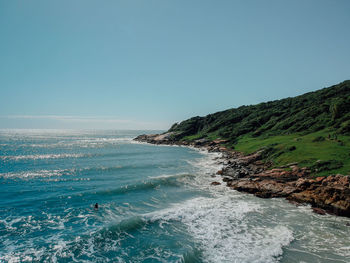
156	204
221	226
150	184
36	174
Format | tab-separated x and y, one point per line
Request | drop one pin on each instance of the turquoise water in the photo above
156	204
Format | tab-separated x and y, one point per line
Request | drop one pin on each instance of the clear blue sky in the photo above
146	64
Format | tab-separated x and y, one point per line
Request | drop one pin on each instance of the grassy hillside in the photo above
312	129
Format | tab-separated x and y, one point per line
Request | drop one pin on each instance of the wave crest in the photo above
221	227
152	183
42	156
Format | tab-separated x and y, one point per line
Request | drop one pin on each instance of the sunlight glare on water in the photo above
156	204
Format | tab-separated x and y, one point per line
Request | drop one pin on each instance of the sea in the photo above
155	204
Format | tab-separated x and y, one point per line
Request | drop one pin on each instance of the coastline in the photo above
248	174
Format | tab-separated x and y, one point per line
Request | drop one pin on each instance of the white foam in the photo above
167	176
258	239
205	170
36	174
41	156
209	162
220	223
56	249
221	227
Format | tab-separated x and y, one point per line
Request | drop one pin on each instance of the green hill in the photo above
312	129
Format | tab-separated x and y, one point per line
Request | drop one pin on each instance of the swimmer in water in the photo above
96	206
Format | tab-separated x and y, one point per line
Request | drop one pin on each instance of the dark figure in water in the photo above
96	206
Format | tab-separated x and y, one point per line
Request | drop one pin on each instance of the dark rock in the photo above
294	203
302	183
227	179
318	211
201	142
215	183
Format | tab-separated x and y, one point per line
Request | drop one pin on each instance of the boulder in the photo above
201	142
163	137
318	211
302	183
219	141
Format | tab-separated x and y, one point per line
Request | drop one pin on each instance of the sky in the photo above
147	64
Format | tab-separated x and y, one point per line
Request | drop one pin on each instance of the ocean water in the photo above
156	204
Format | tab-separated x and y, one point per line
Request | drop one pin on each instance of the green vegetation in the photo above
312	129
323	157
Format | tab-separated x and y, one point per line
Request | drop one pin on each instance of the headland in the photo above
296	148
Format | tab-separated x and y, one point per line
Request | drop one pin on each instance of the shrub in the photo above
292	148
319	139
320	166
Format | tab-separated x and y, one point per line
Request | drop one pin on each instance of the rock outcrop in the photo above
249	174
164	138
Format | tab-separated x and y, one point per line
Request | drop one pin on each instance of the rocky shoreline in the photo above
247	173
